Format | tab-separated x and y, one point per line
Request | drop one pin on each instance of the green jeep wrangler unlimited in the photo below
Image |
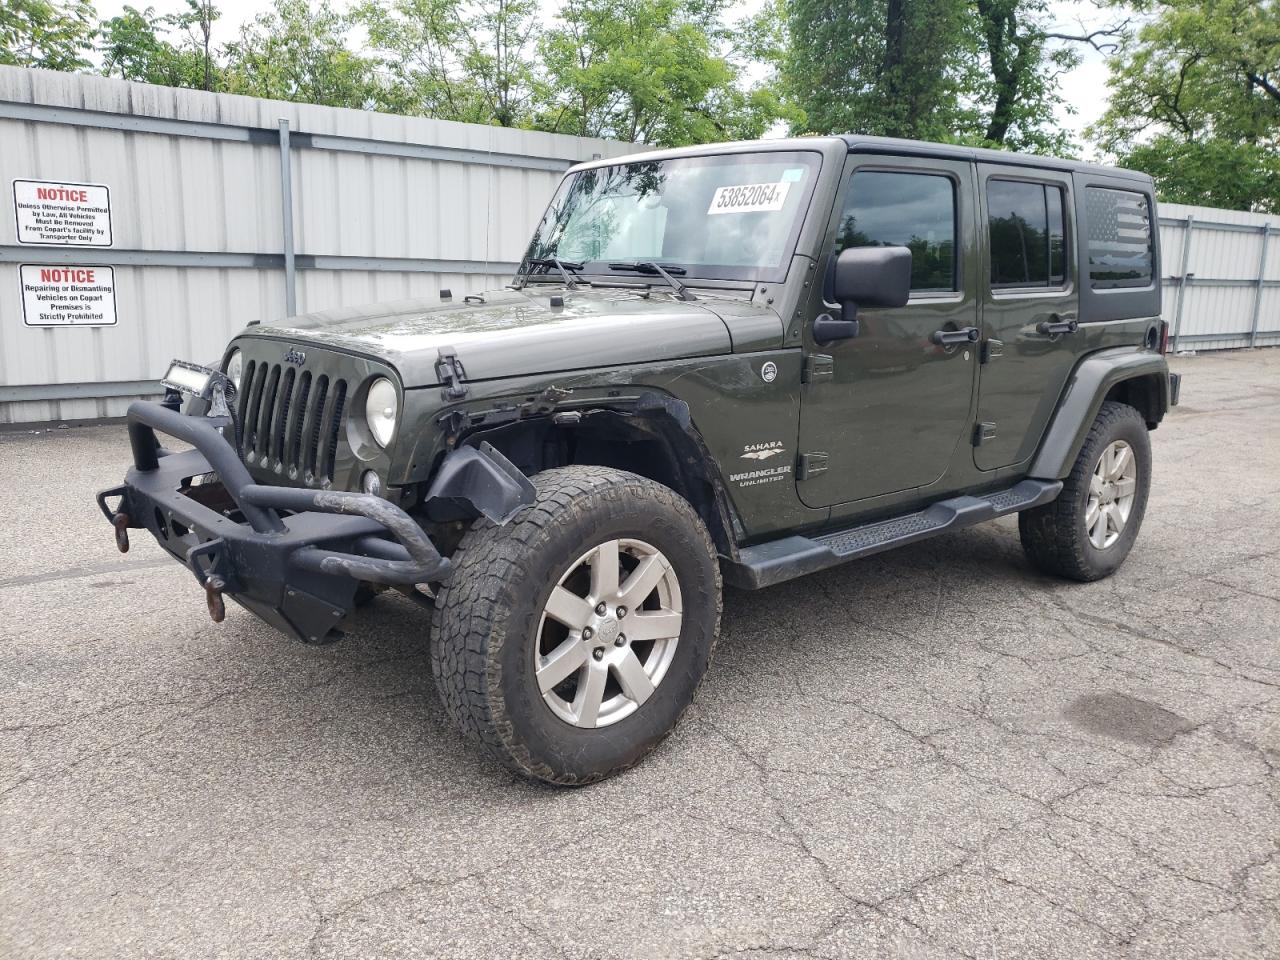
742	361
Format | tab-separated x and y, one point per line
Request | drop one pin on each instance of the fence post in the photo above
1257	291
286	214
1183	279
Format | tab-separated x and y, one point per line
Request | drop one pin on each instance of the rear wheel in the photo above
570	641
1088	531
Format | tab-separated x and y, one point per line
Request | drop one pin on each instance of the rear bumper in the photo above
294	557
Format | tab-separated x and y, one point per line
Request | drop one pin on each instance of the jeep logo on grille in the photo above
296	357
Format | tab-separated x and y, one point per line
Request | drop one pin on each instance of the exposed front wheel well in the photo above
650	443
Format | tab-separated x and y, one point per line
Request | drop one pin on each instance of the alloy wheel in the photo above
608	633
1111	492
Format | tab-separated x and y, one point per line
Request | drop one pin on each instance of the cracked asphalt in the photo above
932	753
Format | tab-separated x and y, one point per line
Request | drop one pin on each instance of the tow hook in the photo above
213	587
121	522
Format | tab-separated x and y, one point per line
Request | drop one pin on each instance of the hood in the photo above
517	332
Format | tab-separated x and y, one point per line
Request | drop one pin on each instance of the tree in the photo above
53	36
1196	102
455	59
880	67
300	51
983	72
134	47
657	71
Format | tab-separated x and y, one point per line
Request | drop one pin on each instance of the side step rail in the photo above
765	564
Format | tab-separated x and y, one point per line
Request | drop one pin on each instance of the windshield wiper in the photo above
648	266
564	266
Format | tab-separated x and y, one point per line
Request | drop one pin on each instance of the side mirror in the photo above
865	277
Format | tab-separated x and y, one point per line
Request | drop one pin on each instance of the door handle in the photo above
950	338
1057	325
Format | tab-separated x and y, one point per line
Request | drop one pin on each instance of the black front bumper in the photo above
294	557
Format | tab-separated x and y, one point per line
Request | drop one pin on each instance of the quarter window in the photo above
1119	238
1027	241
912	210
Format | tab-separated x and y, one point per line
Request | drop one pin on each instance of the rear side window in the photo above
1027	241
1119	241
912	210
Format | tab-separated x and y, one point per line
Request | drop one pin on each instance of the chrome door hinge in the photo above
990	350
817	366
982	432
810	465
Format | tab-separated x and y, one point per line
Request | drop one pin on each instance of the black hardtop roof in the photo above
950	151
888	146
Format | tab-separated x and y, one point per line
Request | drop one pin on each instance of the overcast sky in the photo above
1084	89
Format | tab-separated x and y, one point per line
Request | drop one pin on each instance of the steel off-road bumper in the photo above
294	557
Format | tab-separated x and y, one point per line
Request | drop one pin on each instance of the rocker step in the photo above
776	561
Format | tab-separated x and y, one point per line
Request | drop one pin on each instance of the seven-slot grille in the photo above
290	420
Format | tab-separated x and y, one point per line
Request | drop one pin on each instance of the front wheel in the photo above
570	641
1088	531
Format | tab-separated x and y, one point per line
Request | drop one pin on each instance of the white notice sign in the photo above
50	213
67	296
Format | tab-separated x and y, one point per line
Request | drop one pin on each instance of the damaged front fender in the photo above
480	481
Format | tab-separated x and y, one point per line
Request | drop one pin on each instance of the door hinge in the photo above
817	366
449	370
982	432
990	350
810	465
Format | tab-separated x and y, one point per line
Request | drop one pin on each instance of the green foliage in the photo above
982	72
54	36
1213	172
1195	101
880	67
134	46
650	70
300	51
456	60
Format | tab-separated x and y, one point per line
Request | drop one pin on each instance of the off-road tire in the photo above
488	613
1054	537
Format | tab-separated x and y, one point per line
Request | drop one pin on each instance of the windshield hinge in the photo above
817	366
449	370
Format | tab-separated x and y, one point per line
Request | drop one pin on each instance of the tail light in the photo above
1164	337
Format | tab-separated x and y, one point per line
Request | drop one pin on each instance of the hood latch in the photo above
451	373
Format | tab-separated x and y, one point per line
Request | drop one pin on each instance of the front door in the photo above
885	411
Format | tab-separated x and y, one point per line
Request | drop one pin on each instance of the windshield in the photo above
732	217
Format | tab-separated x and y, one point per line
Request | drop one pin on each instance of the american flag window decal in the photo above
1119	244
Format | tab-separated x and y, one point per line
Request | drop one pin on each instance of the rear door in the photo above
1030	307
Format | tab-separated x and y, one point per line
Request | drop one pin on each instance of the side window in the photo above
912	210
1119	223
1025	226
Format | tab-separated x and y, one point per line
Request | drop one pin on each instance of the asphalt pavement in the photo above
932	753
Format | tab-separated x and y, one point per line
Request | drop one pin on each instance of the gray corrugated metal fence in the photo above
381	208
226	209
1221	277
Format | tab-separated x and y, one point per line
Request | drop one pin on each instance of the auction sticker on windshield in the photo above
749	198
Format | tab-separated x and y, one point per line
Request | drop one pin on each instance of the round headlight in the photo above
380	410
235	367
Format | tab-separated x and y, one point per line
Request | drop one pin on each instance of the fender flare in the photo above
1082	399
482	480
